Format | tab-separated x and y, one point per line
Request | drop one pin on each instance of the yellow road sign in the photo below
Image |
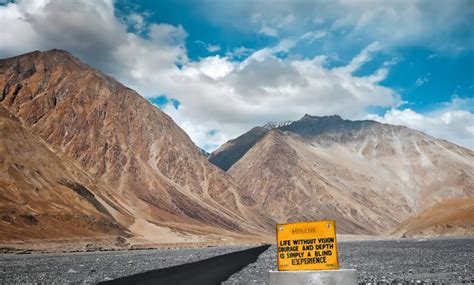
307	246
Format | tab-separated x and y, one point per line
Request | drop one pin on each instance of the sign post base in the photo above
314	277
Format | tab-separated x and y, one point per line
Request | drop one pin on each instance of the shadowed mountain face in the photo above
370	177
156	176
313	126
233	150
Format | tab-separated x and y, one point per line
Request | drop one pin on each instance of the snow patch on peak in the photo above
274	125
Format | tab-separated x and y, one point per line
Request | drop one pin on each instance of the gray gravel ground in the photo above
388	262
415	261
90	267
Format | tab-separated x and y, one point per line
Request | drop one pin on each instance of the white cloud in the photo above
210	47
215	67
420	81
391	62
213	48
312	36
362	57
271	32
137	22
453	121
91	31
239	52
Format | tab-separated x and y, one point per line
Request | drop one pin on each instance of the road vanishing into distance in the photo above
214	270
422	261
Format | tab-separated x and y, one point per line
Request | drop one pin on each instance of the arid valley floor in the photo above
420	261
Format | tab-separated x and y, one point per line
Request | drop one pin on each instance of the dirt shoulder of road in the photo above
109	243
115	243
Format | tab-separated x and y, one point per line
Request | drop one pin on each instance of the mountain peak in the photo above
60	54
57	50
274	125
37	53
48	59
309	117
40	63
309	126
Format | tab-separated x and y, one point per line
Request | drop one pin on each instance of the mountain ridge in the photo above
146	161
253	135
352	166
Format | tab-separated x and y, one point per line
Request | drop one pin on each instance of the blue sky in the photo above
219	68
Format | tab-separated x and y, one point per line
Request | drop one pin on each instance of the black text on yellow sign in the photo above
307	246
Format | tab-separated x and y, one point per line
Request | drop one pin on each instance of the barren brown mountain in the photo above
148	176
43	194
371	177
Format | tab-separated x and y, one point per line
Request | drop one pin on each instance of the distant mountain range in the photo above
372	178
81	155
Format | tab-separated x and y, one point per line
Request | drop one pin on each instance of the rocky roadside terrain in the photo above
417	261
93	267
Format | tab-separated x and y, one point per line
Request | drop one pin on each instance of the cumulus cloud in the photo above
91	31
454	121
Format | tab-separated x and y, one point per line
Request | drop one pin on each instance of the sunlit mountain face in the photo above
93	159
372	178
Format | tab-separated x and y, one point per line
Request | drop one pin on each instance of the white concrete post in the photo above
316	277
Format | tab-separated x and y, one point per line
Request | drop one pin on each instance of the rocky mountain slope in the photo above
43	194
163	188
230	152
453	217
370	177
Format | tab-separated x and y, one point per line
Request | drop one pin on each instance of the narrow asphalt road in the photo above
213	270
